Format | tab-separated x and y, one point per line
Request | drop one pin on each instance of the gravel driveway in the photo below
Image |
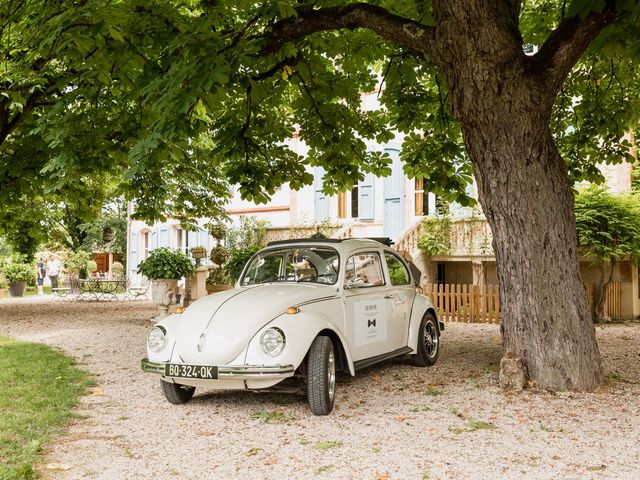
392	421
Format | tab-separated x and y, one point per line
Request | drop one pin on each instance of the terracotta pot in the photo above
16	289
162	291
218	288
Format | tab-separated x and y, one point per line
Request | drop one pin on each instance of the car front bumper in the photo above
232	372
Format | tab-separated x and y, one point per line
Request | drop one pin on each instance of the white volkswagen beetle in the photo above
303	309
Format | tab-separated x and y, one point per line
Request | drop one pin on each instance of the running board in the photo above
366	362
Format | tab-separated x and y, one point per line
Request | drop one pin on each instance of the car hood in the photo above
222	324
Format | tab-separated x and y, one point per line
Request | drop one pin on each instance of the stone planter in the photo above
217	288
16	289
162	291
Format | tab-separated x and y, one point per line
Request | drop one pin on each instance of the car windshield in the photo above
294	264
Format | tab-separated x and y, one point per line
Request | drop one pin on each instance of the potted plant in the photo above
198	253
165	267
217	230
18	274
218	280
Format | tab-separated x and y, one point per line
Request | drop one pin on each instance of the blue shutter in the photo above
163	239
394	197
133	253
154	239
321	202
365	198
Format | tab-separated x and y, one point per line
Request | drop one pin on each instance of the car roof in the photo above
347	244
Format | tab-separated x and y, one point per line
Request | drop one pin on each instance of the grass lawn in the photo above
38	388
29	292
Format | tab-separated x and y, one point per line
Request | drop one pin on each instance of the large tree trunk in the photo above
546	319
525	192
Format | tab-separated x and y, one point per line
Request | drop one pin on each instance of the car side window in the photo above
364	270
398	273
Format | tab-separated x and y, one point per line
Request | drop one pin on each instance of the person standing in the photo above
41	271
53	265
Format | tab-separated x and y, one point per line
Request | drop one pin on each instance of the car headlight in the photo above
272	341
157	339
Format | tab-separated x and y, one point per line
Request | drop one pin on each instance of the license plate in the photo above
206	372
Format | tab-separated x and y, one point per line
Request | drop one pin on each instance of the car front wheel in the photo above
321	376
428	342
175	393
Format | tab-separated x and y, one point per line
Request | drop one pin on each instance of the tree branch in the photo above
567	43
411	33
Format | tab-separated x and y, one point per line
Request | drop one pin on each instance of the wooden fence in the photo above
613	300
465	303
481	303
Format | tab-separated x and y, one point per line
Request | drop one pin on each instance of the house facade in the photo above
394	206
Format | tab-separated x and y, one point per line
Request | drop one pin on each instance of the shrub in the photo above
92	266
217	230
249	234
3	283
117	267
76	262
218	276
19	272
219	255
166	263
238	260
434	239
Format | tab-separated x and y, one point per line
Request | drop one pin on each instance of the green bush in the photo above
3	283
76	262
218	276
217	230
166	263
19	272
92	266
117	268
238	260
434	239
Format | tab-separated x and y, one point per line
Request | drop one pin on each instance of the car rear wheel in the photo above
175	393
321	376
428	342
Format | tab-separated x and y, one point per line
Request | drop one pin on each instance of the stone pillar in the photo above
199	283
479	268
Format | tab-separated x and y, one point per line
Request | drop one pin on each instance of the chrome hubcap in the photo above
431	339
331	375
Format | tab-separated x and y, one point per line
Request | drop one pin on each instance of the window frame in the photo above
410	280
383	276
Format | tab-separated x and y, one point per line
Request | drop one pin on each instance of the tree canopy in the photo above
175	99
608	230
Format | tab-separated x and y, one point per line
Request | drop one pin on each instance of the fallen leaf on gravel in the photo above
383	476
202	433
97	392
596	468
271	461
327	445
58	466
252	451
